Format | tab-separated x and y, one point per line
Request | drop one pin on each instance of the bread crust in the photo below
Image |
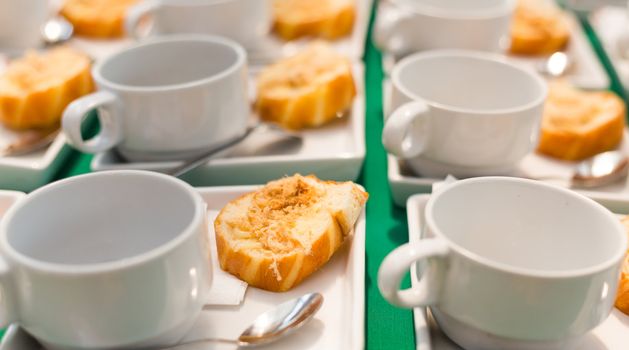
35	90
307	90
327	19
97	18
281	272
538	27
579	124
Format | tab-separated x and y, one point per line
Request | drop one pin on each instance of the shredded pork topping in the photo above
275	209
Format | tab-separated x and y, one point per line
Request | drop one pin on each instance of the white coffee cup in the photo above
20	24
245	21
167	98
406	26
464	113
107	260
510	263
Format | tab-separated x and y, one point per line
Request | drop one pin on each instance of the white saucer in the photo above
587	71
29	171
472	338
405	182
610	335
333	152
338	325
269	49
435	169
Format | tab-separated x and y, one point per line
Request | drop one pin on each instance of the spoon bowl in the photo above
282	320
56	30
29	141
601	169
273	324
555	65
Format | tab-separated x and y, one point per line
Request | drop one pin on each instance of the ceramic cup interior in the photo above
527	226
169	63
101	218
468	82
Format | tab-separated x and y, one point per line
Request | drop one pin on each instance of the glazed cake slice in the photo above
275	237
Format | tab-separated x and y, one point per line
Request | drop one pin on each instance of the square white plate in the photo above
269	49
609	23
337	325
405	183
333	152
610	335
587	71
29	171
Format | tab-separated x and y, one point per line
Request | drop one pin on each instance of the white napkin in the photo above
226	289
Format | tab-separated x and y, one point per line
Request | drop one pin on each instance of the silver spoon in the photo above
29	141
600	170
56	31
195	162
555	65
273	324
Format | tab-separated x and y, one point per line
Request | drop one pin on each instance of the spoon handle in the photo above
195	162
207	340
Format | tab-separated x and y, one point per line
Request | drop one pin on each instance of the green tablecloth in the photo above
386	327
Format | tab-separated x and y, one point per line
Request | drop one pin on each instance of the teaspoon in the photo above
555	65
195	162
599	170
29	141
273	324
602	169
56	31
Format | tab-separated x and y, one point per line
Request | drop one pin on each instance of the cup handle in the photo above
8	306
109	114
395	135
388	21
397	264
135	14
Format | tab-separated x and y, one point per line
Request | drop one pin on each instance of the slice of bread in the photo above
97	18
622	297
275	237
539	27
306	90
579	124
328	19
35	89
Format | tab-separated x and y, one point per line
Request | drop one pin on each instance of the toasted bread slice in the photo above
97	18
539	27
35	89
622	297
306	90
275	237
579	124
328	19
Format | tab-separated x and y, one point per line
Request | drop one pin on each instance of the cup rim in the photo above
500	10
474	55
110	266
241	58
522	271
